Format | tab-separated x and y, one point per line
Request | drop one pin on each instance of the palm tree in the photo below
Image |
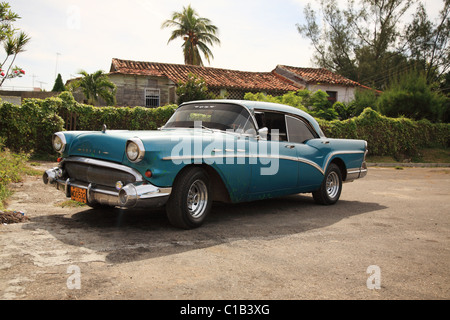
196	32
97	85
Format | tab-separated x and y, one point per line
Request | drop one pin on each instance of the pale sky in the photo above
69	35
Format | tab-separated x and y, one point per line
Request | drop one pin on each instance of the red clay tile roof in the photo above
319	75
214	77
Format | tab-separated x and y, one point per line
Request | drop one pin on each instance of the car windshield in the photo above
221	116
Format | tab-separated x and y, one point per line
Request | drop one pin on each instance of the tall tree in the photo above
197	33
427	43
359	41
59	84
97	85
14	42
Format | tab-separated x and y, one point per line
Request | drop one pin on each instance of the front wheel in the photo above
330	190
190	200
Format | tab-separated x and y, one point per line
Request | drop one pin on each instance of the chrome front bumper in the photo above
132	195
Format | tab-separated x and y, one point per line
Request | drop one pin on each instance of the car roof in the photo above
262	105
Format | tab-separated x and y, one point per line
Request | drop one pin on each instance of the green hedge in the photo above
28	128
397	137
130	118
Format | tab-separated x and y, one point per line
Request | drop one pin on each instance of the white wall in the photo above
344	94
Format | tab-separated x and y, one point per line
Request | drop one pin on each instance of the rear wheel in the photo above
190	200
330	190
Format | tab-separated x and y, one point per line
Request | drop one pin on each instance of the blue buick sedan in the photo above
219	150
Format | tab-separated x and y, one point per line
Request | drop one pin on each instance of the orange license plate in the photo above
78	194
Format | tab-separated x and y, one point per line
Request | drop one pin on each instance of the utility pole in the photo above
34	77
41	83
56	68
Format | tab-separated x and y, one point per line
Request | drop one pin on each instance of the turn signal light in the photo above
148	174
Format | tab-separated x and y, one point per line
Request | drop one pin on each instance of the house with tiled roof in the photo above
338	87
152	84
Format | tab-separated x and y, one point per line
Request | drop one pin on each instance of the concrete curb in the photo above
409	165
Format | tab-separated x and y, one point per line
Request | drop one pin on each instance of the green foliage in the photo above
12	168
344	110
59	84
193	89
397	137
412	97
315	103
364	99
29	127
96	85
371	41
116	118
197	33
13	42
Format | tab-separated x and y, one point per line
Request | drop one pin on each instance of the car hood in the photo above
110	145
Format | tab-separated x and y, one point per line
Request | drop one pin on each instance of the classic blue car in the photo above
218	150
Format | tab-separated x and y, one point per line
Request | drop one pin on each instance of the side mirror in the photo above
262	133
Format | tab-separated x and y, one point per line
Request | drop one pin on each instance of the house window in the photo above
152	98
332	96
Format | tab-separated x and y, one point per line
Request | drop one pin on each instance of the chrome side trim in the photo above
303	160
298	159
107	164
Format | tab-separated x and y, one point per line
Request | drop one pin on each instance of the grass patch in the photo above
433	156
13	167
70	204
430	155
384	159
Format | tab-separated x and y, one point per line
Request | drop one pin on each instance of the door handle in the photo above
289	146
326	142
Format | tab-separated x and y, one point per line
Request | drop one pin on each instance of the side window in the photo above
297	130
276	124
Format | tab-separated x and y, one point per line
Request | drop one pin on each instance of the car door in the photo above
274	165
299	133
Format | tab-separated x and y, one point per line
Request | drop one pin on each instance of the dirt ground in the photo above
387	238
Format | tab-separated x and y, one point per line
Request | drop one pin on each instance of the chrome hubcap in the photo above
197	199
332	185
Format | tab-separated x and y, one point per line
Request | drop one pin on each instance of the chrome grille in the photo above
97	175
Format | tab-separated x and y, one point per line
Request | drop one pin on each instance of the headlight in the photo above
135	150
59	142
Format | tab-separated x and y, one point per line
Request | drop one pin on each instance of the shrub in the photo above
12	168
344	110
412	97
364	98
193	89
316	103
398	137
29	127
